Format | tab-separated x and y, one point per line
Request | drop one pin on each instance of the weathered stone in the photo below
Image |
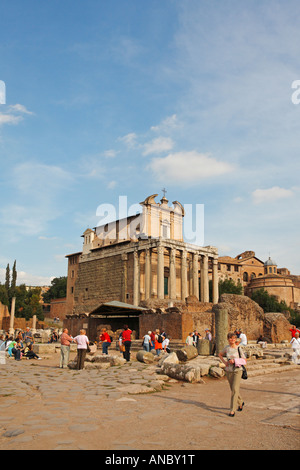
112	360
144	356
216	372
41	349
187	353
204	347
184	372
136	389
171	358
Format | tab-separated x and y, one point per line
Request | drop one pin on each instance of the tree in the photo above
228	286
7	278
14	277
4	299
28	302
268	302
58	289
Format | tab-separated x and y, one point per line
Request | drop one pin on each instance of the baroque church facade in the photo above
139	258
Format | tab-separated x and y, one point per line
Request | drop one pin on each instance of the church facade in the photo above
139	258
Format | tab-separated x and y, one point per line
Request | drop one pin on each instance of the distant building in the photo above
240	269
279	283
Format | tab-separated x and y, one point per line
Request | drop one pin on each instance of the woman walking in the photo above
234	359
126	342
82	342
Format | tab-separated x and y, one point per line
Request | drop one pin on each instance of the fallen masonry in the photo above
186	365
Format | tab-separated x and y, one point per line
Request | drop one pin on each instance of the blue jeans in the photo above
147	347
105	346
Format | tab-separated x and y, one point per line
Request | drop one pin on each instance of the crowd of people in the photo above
20	346
155	341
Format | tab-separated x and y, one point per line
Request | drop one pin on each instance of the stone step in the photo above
270	370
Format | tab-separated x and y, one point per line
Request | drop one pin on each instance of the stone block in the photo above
144	356
44	348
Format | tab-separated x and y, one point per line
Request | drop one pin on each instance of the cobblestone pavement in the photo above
43	407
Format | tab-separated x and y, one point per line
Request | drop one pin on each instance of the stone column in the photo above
172	294
221	326
205	279
184	287
136	278
33	329
195	275
12	316
147	274
160	272
124	258
190	275
215	281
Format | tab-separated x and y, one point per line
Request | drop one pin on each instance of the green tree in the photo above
4	299
14	277
268	302
7	279
28	302
228	286
58	289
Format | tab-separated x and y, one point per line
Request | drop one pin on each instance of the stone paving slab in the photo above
43	407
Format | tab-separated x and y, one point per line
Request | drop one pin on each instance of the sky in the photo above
125	98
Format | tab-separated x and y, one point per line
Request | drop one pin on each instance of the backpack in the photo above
160	339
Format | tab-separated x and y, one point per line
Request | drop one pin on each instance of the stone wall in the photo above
58	308
176	323
243	313
99	281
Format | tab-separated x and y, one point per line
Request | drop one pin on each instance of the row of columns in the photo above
203	295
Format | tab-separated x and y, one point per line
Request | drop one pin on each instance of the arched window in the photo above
245	277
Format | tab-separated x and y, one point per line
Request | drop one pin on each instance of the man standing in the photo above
65	341
27	336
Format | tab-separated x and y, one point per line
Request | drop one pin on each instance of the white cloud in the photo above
168	124
188	167
129	139
28	278
20	108
33	279
110	153
270	195
9	119
159	145
13	114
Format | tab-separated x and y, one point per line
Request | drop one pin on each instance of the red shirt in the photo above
293	331
126	335
105	337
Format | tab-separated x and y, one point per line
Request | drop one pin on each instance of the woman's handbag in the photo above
244	373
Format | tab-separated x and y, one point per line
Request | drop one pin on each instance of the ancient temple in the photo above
140	257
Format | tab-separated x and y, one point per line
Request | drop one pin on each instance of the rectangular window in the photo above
166	285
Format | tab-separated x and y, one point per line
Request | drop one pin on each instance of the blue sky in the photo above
126	97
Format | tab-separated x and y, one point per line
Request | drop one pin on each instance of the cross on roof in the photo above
164	191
